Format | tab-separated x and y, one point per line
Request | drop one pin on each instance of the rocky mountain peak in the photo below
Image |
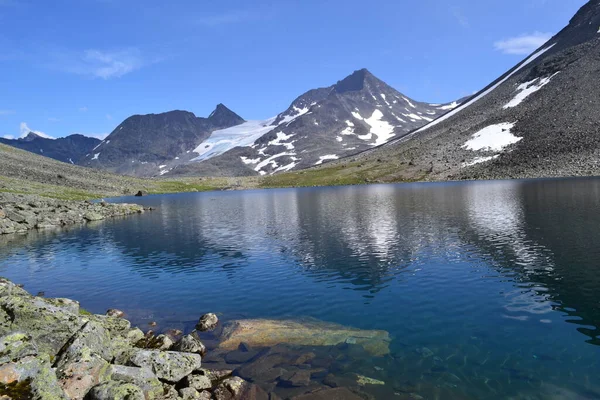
223	116
354	82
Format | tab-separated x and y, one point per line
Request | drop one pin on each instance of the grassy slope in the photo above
28	173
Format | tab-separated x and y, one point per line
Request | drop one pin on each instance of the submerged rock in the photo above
329	394
207	322
265	333
113	312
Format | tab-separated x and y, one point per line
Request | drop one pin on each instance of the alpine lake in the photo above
488	290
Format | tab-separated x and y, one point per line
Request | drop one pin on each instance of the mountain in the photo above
539	119
149	145
69	149
353	115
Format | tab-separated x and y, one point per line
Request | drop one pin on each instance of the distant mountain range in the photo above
355	114
70	149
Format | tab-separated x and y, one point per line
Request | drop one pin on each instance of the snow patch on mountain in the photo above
458	109
326	158
479	160
238	136
528	88
493	138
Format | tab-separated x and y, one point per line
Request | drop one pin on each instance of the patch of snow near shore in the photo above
526	89
223	140
480	160
493	138
325	158
483	94
285	167
96	156
280	138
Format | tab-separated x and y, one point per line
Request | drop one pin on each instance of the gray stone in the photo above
144	378
189	393
207	322
329	394
38	371
93	216
190	344
169	366
49	325
15	346
116	390
198	382
295	379
79	369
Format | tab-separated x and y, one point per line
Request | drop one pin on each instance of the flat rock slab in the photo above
266	333
169	366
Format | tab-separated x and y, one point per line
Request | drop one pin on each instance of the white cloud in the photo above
26	129
460	17
11	137
6	112
99	63
524	44
83	109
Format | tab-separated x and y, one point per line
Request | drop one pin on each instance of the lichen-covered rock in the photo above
93	336
169	366
49	325
116	390
114	326
36	376
207	322
15	346
79	369
215	376
134	335
190	344
266	333
93	216
189	393
67	304
198	382
141	377
8	288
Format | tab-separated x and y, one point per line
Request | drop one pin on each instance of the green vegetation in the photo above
83	311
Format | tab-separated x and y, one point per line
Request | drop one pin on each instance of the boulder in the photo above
207	322
141	193
141	377
15	346
79	369
66	304
33	375
190	344
169	366
266	366
49	325
93	216
115	326
198	382
189	393
116	390
265	333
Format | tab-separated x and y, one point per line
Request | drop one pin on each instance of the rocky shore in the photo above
50	348
21	213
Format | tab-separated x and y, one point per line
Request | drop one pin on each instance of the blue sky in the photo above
82	66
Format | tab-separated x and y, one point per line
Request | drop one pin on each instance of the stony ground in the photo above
20	213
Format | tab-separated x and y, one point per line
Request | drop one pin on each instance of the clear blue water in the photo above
499	280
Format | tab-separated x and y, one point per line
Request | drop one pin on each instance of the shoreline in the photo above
51	348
